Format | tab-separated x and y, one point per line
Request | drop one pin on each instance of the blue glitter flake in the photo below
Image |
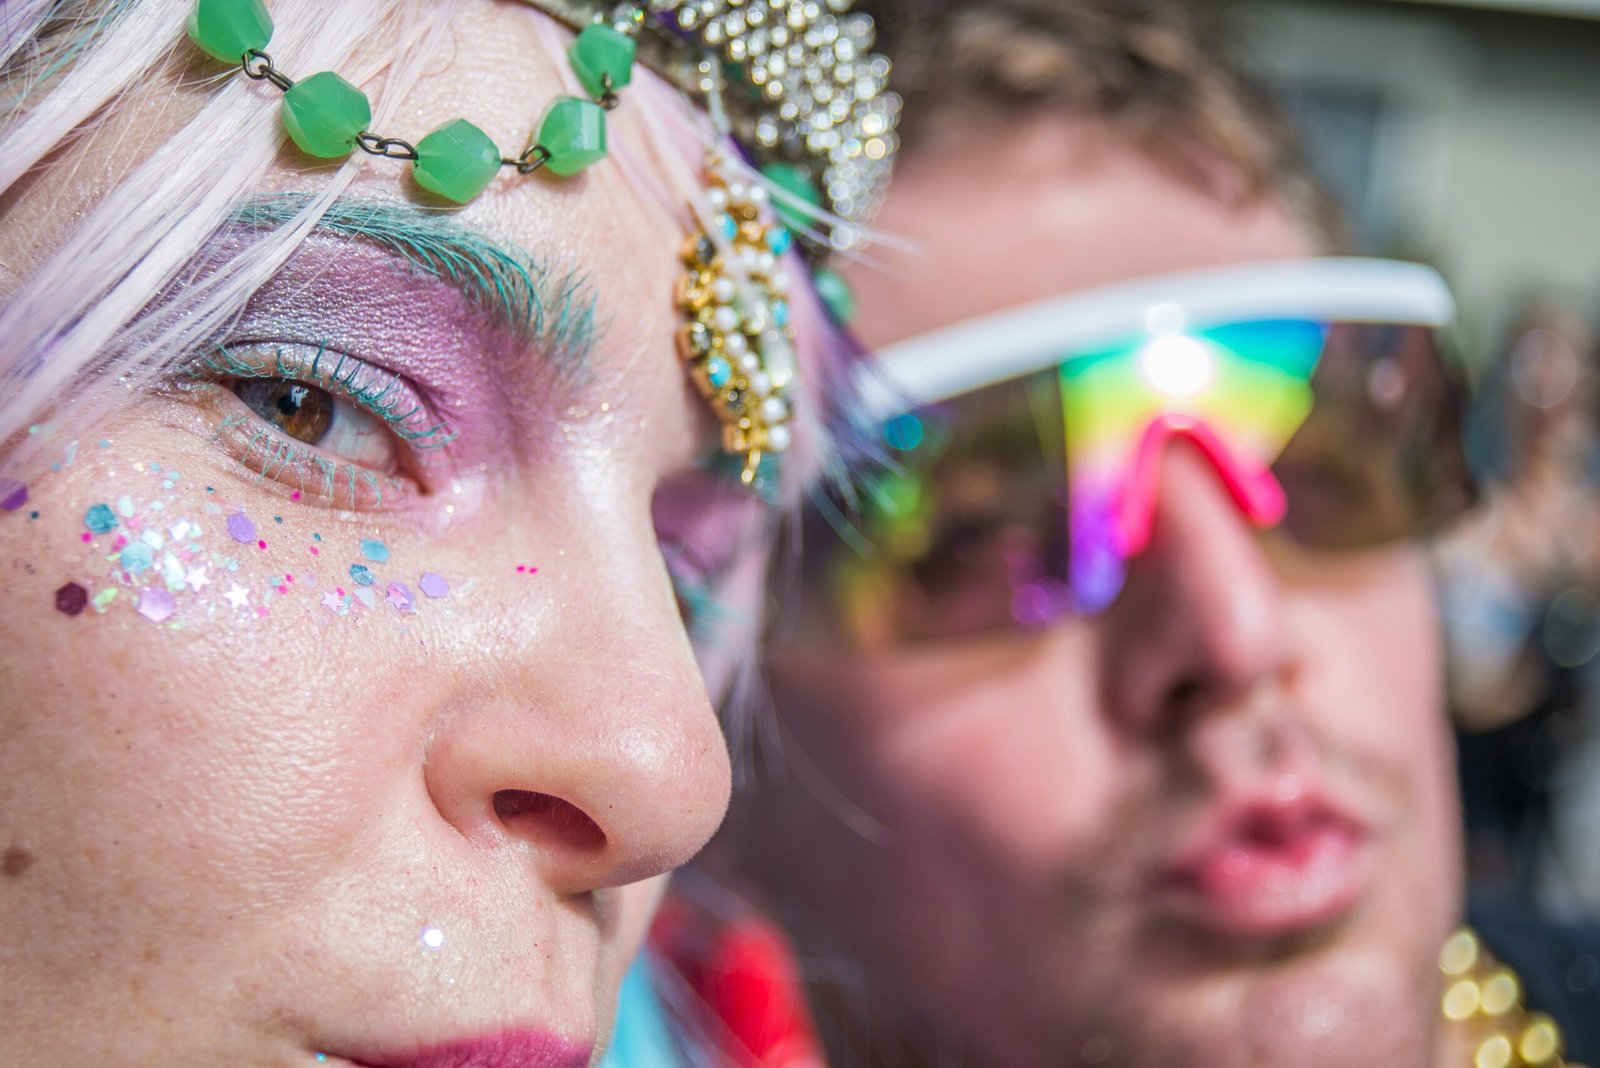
360	575
375	550
100	519
137	557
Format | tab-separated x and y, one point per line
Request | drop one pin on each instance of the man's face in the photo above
1214	825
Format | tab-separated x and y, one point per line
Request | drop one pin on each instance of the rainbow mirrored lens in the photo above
1020	502
1237	391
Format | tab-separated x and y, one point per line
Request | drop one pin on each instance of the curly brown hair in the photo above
1155	71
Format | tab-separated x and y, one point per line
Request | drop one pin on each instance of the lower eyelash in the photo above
273	455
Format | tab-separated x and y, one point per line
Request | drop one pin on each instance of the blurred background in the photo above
1467	135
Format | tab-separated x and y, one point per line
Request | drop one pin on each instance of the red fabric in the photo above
745	972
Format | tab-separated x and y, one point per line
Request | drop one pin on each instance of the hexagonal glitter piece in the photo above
71	599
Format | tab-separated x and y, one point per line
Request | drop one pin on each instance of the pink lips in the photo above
1268	870
508	1049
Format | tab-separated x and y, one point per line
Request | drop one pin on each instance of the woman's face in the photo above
374	727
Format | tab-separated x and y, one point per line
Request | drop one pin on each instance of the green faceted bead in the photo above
456	161
598	51
574	133
227	29
836	296
324	113
789	178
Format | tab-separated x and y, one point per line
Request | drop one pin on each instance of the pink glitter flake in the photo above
156	605
241	529
399	596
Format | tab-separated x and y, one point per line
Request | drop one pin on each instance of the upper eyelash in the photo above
357	382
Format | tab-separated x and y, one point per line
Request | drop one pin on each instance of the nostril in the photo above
547	819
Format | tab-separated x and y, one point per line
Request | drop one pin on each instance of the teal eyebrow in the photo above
553	310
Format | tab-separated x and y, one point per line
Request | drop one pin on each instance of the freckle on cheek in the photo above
15	861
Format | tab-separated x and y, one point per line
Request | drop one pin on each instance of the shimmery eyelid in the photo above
383	393
554	309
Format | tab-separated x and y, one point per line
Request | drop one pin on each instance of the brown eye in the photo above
325	421
303	412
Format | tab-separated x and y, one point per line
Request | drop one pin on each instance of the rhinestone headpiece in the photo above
803	92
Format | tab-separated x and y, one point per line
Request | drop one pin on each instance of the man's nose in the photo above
1200	623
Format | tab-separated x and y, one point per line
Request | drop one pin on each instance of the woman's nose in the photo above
1201	621
583	734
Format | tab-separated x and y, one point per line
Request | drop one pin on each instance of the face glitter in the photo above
237	595
13	495
100	519
241	529
399	596
433	584
137	558
71	599
360	574
375	550
156	605
432	937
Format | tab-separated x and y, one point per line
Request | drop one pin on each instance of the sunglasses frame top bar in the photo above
1009	344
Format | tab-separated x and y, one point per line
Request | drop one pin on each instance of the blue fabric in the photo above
643	1037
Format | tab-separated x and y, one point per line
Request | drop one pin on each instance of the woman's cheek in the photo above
174	536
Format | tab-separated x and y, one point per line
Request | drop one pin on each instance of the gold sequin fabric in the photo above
1483	999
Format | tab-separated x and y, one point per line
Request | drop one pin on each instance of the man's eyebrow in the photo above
553	310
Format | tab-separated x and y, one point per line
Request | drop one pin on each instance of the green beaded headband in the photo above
811	110
327	117
813	115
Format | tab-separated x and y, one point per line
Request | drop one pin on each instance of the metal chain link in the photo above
257	64
387	147
534	157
